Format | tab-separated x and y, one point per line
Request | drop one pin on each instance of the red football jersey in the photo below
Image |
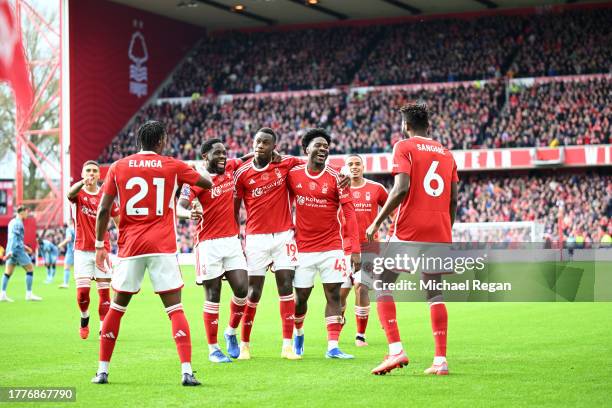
367	199
145	184
424	215
318	201
84	211
265	195
217	203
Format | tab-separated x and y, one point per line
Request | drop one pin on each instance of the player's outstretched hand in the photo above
103	261
371	231
88	181
356	262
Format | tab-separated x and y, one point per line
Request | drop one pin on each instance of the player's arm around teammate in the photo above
218	251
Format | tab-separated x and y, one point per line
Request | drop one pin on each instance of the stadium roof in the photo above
220	14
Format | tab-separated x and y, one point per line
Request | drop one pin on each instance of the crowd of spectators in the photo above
271	61
547	44
583	201
462	117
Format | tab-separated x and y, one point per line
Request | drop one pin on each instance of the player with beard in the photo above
217	246
425	195
315	188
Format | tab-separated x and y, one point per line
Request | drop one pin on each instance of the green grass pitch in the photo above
510	354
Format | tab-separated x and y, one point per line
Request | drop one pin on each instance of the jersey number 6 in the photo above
433	176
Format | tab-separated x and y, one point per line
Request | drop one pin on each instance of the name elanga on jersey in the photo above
145	163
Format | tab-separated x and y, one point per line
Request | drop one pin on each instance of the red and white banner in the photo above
119	56
497	159
13	65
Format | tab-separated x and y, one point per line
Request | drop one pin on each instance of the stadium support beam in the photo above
321	9
402	5
487	3
245	13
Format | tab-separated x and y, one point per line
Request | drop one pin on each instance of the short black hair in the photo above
21	208
312	134
268	131
88	162
150	134
355	155
207	145
416	116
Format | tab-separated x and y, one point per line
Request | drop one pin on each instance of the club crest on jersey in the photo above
324	188
312	185
278	173
265	177
368	196
356	194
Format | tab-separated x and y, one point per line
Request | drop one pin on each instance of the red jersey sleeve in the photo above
238	187
114	210
382	196
110	187
186	174
455	177
402	160
344	194
294	161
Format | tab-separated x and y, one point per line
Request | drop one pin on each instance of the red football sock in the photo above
247	321
334	327
104	299
83	298
439	325
299	321
211	321
110	331
361	317
180	332
287	312
387	315
237	306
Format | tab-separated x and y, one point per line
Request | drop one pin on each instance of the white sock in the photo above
28	293
85	314
230	331
244	343
286	342
332	344
186	368
3	294
360	335
439	360
103	367
395	348
299	332
213	347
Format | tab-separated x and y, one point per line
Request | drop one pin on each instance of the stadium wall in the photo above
118	58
